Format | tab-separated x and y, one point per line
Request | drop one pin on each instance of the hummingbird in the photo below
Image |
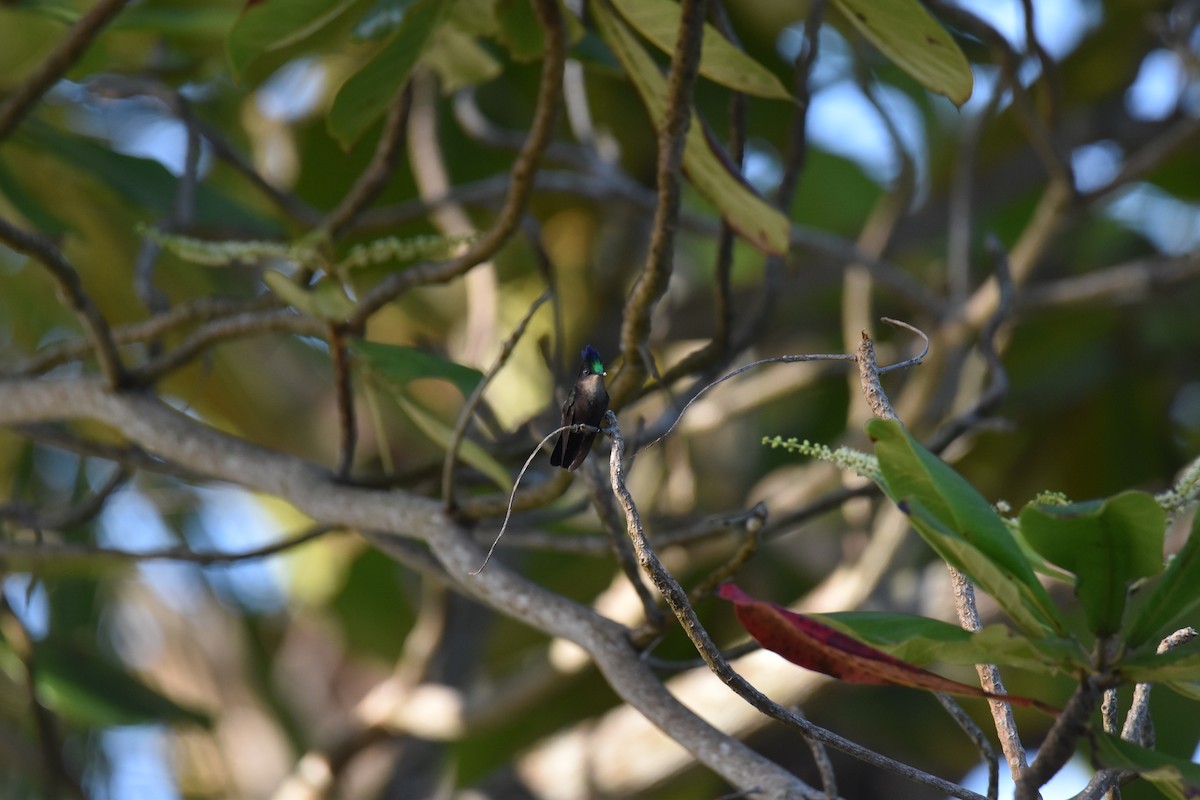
586	404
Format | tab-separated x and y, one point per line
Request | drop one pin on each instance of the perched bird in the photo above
586	405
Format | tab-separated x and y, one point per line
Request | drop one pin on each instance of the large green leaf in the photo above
1176	593
398	365
440	433
144	182
88	689
921	640
365	96
274	24
1106	544
459	60
751	216
914	41
12	190
960	525
1177	778
720	62
961	553
394	366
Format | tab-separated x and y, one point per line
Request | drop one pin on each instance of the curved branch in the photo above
672	135
18	104
520	180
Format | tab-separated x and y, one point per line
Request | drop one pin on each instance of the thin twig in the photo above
990	680
62	552
676	598
378	172
344	394
202	309
580	427
651	284
71	516
58	778
977	737
472	401
520	181
21	100
255	323
71	289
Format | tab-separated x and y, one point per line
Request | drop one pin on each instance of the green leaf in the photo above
380	20
720	61
1177	778
200	21
365	96
144	182
394	366
469	452
274	24
914	41
960	525
1106	544
1177	665
519	30
30	207
753	218
459	60
1175	594
921	640
88	689
961	553
398	365
326	300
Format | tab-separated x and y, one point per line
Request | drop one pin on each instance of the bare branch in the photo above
672	134
71	289
22	99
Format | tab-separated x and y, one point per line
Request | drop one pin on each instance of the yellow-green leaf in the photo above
915	42
365	96
754	218
720	62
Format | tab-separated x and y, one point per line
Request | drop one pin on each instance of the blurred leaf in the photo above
920	640
960	525
365	96
275	24
811	644
29	206
1105	544
754	218
326	300
1177	778
200	20
720	62
57	10
380	20
88	689
1176	593
144	182
459	60
469	452
915	42
476	17
398	365
395	366
519	30
1177	665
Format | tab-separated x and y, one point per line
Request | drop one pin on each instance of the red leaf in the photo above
816	646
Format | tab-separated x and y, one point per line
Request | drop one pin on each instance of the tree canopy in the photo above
895	303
